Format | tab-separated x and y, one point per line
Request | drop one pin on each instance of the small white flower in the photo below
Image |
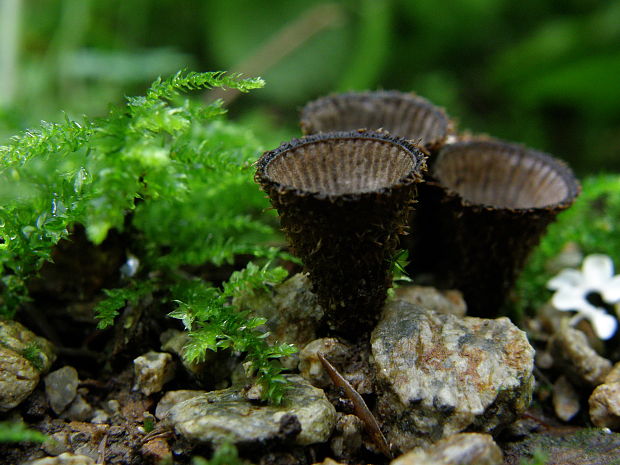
586	291
130	267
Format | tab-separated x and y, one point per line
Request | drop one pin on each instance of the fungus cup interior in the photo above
341	166
503	175
403	115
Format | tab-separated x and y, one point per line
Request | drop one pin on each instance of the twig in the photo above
10	21
360	407
282	43
160	432
101	449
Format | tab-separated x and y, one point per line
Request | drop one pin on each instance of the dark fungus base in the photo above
477	247
346	241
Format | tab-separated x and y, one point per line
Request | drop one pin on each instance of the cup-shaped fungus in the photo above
486	207
400	114
343	199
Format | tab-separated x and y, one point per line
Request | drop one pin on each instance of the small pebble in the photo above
565	399
61	387
310	366
78	410
580	362
152	370
66	458
614	375
113	406
605	406
459	449
56	444
156	451
346	440
100	416
450	301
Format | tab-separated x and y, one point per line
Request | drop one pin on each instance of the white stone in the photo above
151	371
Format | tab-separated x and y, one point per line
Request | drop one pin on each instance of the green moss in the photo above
539	458
175	177
32	353
17	432
215	323
175	164
225	454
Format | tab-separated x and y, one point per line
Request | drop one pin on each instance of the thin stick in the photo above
10	21
282	43
360	407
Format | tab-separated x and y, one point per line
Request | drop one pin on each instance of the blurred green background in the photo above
542	72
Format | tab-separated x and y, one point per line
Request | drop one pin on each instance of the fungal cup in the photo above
485	207
401	114
343	199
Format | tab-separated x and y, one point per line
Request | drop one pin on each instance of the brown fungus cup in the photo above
400	114
343	199
486	207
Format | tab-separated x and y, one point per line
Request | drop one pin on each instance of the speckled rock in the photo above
172	398
18	378
61	387
226	415
16	337
65	459
439	374
449	301
577	360
604	405
23	357
151	371
459	449
566	400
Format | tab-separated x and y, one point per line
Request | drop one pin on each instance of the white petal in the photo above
597	270
569	298
604	324
566	278
611	290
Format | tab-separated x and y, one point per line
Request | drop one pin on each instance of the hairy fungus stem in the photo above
486	207
343	199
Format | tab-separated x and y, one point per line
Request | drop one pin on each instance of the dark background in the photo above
541	72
